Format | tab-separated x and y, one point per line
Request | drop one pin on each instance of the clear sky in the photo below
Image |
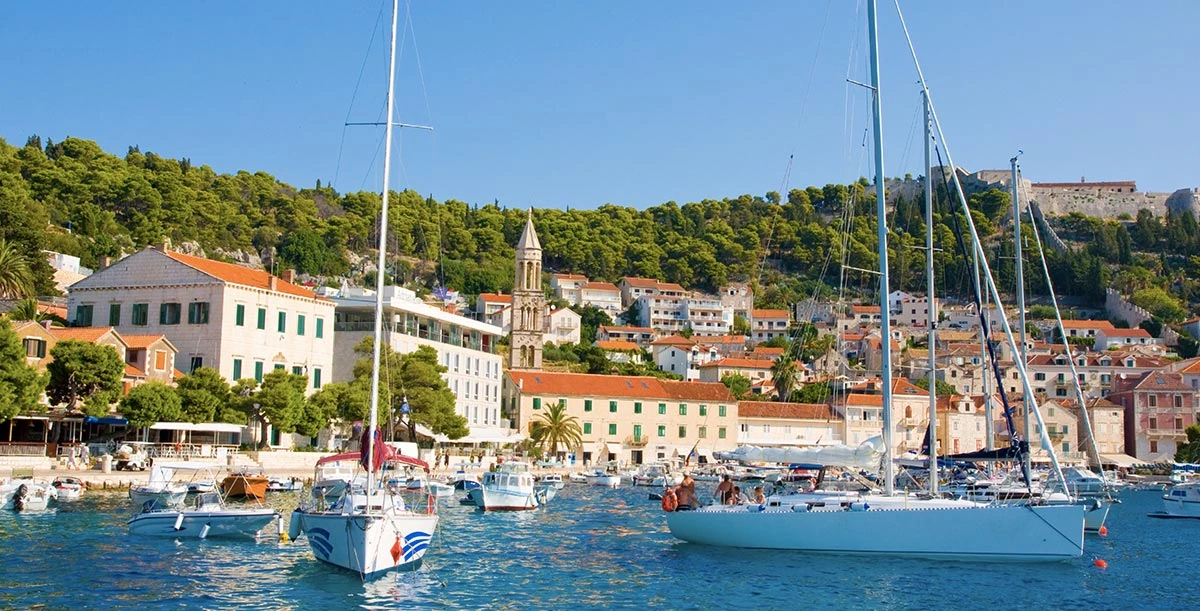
574	103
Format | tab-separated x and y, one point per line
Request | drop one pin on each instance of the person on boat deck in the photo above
735	497
759	497
685	493
724	490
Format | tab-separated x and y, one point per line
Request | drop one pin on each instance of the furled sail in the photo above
866	456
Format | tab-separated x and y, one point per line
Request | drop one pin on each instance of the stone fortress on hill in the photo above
1099	199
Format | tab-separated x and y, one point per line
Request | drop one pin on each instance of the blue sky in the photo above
556	104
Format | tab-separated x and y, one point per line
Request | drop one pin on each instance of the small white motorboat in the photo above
577	478
207	485
284	484
601	478
511	488
161	491
464	481
27	494
553	480
1181	501
69	488
206	516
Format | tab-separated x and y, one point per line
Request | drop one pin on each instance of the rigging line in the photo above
812	72
417	55
353	96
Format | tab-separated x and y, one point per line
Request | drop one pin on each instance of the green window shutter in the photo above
637	407
702	432
683	409
703	410
662	409
612	406
721	411
682	432
612	429
587	428
299	324
162	313
140	315
278	366
258	371
721	432
83	316
316	378
262	318
297	370
320	328
282	322
114	315
237	369
537	403
637	432
587	405
662	430
239	318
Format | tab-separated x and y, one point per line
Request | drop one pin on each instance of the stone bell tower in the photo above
528	303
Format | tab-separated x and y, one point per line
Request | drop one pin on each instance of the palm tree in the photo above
29	309
16	279
783	374
554	427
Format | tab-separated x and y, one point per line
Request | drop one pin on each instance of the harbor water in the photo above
591	548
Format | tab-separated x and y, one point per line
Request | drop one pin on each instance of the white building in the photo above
603	295
768	324
239	321
466	347
563	326
566	287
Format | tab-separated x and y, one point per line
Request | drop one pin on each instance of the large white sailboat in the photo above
369	529
890	523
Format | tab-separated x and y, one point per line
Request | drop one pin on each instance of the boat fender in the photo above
859	506
203	531
20	496
294	527
179	522
670	502
1094	504
800	508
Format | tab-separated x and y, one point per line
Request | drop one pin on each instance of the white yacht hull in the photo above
369	545
1182	501
610	481
243	523
489	498
37	496
990	533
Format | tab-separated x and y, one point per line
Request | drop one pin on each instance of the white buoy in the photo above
179	522
204	531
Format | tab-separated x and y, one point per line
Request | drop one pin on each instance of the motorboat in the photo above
1182	501
204	516
1084	482
331	479
603	478
461	480
160	490
284	484
69	488
554	480
577	478
196	487
247	484
26	494
658	475
510	488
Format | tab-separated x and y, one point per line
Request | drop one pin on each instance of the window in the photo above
637	407
703	410
703	432
721	411
537	403
1153	401
587	405
34	347
197	362
114	314
168	313
239	317
612	406
297	370
1178	400
662	430
1178	423
320	328
1153	446
237	369
1064	429
1040	377
1153	423
721	433
299	324
160	360
683	409
662	409
262	318
282	326
278	366
612	429
198	313
587	428
1066	446
140	314
258	371
83	316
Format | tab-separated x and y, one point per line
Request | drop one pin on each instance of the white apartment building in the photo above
914	312
239	321
563	326
566	287
682	356
776	424
768	324
603	295
672	313
466	347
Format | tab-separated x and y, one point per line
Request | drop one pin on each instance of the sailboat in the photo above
369	529
891	523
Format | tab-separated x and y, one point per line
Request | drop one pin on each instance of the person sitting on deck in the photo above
685	493
724	490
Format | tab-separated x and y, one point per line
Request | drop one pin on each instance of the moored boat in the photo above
27	494
69	488
1182	501
245	484
510	488
204	516
160	489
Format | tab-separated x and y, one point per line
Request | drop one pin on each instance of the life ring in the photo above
670	502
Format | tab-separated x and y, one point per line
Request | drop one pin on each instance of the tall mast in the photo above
885	326
933	465
1020	257
381	267
990	425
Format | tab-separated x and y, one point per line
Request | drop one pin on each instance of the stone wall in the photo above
1097	201
1119	308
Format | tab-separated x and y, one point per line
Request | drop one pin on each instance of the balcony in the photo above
1177	434
636	442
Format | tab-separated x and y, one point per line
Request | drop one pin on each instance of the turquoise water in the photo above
591	548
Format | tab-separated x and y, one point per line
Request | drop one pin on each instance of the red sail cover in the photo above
389	455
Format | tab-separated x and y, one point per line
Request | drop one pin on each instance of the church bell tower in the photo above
528	303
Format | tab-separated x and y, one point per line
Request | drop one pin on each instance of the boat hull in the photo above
992	533
609	481
248	486
488	498
234	523
37	496
368	545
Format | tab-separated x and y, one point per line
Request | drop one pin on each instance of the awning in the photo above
204	427
1120	460
105	420
613	448
591	448
486	436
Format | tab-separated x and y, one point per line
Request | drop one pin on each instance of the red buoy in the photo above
1100	564
1103	531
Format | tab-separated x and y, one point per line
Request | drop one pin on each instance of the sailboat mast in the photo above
990	425
933	465
885	339
380	270
1020	257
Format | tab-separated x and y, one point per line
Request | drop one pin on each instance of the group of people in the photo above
78	457
727	493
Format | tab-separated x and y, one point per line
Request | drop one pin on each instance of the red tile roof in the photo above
141	341
570	276
740	363
134	372
768	351
798	411
673	340
641	282
83	334
613	329
600	286
671	286
618	345
495	297
1087	324
590	385
236	274
769	314
865	309
1127	333
725	339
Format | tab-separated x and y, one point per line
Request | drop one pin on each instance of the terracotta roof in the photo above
1192	367
141	341
1087	324
83	334
175	373
600	286
864	400
590	385
495	297
769	314
236	274
740	363
640	282
768	350
134	372
612	329
671	286
865	309
900	386
725	339
618	345
1157	380
673	340
799	411
1126	333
